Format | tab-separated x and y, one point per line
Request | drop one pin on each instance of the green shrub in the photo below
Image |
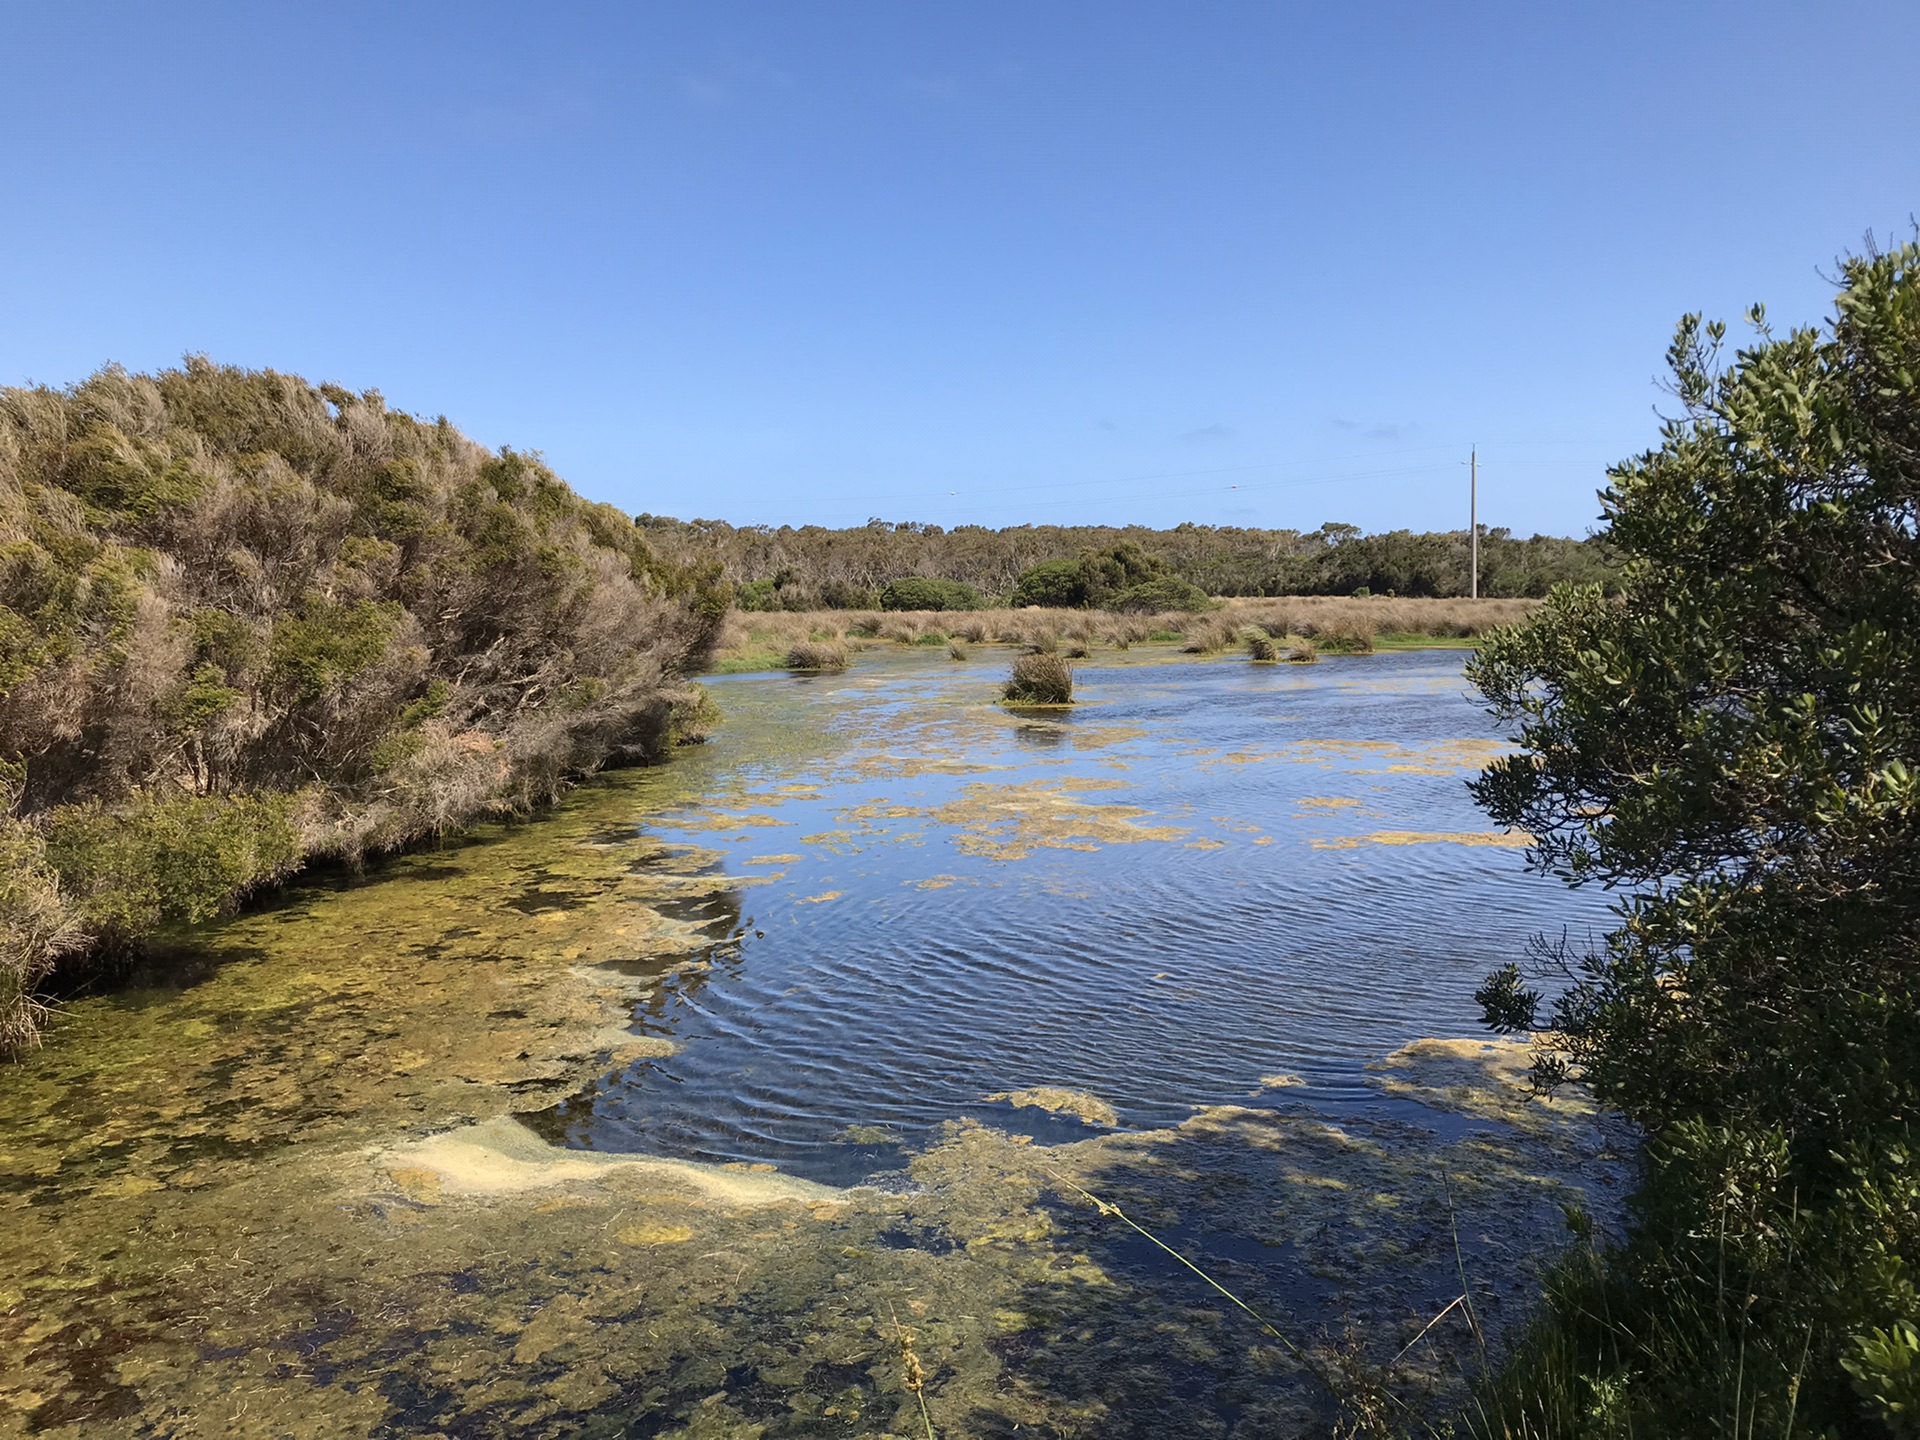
1159	597
1731	740
917	593
168	858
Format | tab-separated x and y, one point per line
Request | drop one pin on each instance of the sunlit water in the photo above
1293	914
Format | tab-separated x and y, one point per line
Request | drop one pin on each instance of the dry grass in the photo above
1301	651
817	655
955	649
1040	678
1300	626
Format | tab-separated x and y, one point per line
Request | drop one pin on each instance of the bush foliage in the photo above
245	620
814	568
1734	739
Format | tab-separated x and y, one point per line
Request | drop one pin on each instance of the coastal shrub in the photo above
817	655
1040	677
1731	740
222	589
916	592
157	857
1156	596
37	928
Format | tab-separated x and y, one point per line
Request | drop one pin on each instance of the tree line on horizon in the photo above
814	567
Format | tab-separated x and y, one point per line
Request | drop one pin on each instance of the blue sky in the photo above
1233	263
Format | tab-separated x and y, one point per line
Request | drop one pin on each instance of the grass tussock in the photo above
1301	651
1260	645
955	649
1040	677
817	655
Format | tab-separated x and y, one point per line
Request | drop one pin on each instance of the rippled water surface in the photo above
1199	876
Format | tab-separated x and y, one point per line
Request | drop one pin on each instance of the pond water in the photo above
1197	877
693	1107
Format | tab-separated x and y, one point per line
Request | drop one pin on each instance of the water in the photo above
291	1181
984	937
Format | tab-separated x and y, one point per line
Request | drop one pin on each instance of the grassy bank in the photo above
754	640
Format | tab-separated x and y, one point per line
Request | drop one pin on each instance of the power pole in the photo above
1473	524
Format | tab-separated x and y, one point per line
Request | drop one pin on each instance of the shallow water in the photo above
1199	876
296	1184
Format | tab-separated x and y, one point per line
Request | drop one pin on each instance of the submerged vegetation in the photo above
1734	738
246	621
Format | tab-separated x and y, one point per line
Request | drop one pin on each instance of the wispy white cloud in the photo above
1207	434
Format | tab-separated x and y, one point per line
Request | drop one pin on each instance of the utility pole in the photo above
1473	524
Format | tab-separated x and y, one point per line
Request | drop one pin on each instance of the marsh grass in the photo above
817	655
1301	651
1040	677
956	650
1260	645
759	640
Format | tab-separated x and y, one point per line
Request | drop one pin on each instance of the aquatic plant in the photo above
817	655
1040	677
956	650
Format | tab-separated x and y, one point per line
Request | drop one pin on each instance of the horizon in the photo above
1075	267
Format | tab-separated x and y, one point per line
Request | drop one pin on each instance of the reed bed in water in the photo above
762	639
817	655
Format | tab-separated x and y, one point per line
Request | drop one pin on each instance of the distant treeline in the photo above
246	621
813	567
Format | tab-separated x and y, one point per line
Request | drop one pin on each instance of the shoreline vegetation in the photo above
247	623
1299	626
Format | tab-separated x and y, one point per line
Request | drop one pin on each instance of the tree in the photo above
1732	741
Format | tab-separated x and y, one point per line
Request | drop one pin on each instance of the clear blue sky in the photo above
990	262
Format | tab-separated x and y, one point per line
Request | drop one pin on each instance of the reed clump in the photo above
817	655
1301	651
1260	645
955	649
1040	677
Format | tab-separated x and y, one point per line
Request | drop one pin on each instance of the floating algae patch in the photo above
1088	1109
1505	839
1328	802
504	1157
1008	822
1389	757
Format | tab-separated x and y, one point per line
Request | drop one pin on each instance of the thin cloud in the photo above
1377	429
1206	434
